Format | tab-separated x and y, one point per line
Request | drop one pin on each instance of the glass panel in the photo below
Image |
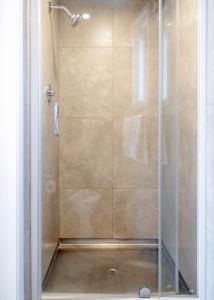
178	166
169	151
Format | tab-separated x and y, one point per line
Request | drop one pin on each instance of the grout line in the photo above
95	47
70	117
109	118
104	47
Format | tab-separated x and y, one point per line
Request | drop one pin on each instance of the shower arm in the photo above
50	7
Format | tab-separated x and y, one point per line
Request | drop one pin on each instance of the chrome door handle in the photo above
56	118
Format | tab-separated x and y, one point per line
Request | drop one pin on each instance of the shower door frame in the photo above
201	152
35	88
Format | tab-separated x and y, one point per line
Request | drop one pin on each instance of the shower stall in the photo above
118	144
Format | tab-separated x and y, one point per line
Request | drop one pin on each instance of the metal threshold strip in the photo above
52	296
107	244
58	296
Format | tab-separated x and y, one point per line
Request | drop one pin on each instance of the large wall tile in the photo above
135	152
133	20
86	82
134	84
86	153
152	23
124	21
86	213
95	32
131	209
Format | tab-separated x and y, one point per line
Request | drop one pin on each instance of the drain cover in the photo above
112	272
145	293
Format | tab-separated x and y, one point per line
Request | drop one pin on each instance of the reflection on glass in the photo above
178	150
135	139
165	66
141	80
140	58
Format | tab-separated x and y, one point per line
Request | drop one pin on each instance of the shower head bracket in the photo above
75	18
61	7
49	7
50	93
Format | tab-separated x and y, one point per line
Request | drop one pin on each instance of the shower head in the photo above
75	18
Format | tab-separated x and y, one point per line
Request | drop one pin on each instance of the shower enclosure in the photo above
118	148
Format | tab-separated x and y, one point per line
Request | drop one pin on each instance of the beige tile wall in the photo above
108	120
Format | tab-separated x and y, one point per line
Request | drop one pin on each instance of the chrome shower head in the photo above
75	20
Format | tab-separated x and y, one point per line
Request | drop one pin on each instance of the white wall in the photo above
11	19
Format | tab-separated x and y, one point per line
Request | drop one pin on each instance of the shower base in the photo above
102	268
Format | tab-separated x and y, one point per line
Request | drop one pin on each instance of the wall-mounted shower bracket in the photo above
61	7
50	93
49	7
75	18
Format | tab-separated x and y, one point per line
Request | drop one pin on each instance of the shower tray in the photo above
83	268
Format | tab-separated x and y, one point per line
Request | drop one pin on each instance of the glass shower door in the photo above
178	147
169	150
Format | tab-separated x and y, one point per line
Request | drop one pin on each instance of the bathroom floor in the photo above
103	270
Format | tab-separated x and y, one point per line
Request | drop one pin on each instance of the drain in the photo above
112	272
144	293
